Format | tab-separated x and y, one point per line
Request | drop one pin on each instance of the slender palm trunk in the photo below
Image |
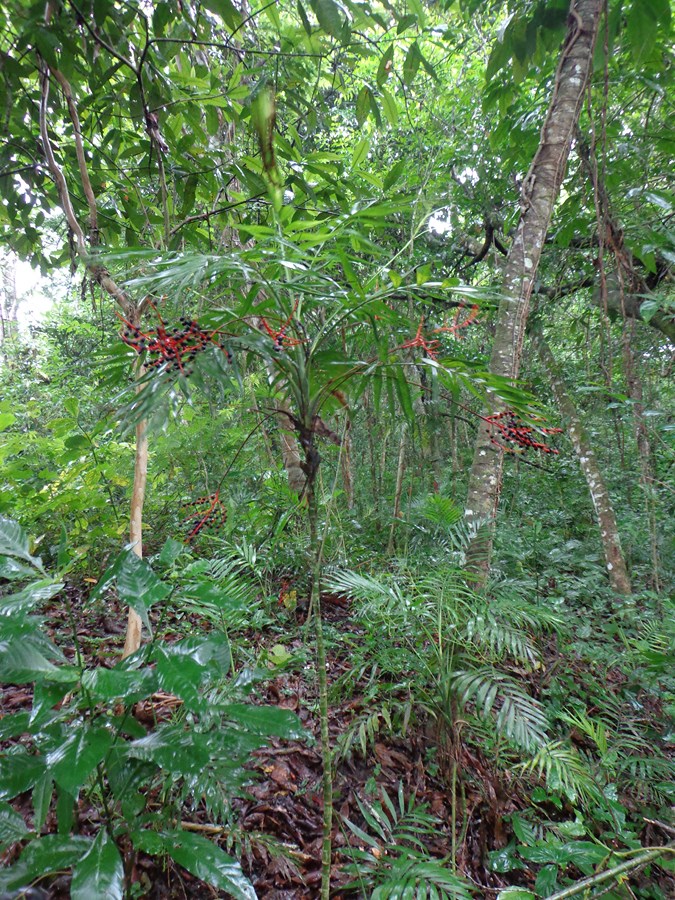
538	196
602	503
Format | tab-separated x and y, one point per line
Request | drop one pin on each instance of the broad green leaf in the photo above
14	542
360	151
179	675
412	63
513	893
226	10
390	108
19	771
641	29
21	661
109	684
385	66
137	584
100	872
30	596
649	309
71	764
42	798
6	419
363	104
329	16
12	826
172	748
265	720
201	857
43	856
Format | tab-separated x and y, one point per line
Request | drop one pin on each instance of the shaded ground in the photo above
284	800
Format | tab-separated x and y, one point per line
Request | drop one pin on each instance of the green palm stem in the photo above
312	466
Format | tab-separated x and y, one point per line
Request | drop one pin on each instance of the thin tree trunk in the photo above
609	533
538	196
132	640
346	464
644	449
400	470
99	274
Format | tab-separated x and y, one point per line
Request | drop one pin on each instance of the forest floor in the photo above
284	799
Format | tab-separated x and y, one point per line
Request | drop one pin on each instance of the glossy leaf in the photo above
100	872
201	857
14	542
71	764
12	826
43	856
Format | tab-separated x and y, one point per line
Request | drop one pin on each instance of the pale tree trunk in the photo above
609	533
8	302
101	276
538	196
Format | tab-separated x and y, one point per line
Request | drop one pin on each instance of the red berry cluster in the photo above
209	512
280	338
508	429
457	324
172	348
430	347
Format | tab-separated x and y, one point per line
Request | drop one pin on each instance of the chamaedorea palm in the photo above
321	343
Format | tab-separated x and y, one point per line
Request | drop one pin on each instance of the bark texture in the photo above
602	503
538	196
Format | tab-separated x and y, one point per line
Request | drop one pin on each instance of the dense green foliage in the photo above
280	234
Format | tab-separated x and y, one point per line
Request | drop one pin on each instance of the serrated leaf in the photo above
100	872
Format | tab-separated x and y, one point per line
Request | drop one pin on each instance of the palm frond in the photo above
502	639
517	716
565	770
364	588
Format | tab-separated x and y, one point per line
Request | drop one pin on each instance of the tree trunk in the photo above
634	385
609	533
538	195
132	311
398	491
